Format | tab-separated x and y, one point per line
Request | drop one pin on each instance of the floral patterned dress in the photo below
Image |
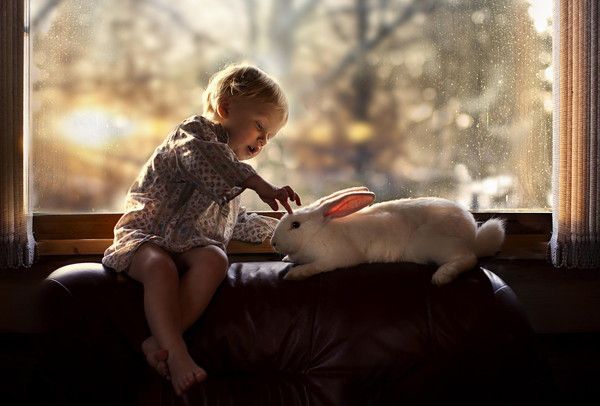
186	196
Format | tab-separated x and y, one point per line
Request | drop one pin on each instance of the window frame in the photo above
528	232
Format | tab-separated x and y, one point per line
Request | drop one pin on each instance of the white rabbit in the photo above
339	231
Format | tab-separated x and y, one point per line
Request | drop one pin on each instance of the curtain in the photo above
575	238
16	237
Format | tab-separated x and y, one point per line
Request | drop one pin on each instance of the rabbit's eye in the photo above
295	224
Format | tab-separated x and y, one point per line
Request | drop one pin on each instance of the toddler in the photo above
183	209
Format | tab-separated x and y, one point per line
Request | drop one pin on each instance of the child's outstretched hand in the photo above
283	194
271	194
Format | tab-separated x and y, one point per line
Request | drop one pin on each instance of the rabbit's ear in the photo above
339	193
347	204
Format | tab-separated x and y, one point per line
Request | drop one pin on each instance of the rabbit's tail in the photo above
489	238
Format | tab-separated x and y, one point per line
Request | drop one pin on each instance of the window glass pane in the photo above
409	97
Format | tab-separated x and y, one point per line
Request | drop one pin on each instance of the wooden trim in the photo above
84	226
74	226
72	247
87	234
515	247
100	226
97	246
525	246
78	234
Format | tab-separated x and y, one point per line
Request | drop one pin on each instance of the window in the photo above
409	97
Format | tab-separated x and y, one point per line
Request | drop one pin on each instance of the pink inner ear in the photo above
349	205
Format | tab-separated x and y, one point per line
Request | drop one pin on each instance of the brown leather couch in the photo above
375	334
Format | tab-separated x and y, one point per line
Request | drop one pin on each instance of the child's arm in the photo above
271	194
199	157
252	227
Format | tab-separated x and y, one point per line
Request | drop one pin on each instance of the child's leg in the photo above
156	270
156	356
205	268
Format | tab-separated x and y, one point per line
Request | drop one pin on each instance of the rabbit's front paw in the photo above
300	272
286	259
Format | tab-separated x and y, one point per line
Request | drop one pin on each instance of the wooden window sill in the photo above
97	246
88	234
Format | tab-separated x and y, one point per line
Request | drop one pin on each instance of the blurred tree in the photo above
407	97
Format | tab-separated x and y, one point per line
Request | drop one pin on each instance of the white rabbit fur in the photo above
421	230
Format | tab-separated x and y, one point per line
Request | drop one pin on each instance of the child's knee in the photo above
217	260
210	260
152	263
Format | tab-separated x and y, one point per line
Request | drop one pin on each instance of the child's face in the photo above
250	126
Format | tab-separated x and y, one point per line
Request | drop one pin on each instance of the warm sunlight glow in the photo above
540	12
94	127
549	74
394	95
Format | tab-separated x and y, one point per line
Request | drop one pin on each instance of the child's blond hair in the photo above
243	82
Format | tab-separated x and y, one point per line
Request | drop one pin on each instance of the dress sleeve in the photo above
209	163
253	227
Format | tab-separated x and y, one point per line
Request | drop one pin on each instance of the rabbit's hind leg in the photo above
451	268
300	272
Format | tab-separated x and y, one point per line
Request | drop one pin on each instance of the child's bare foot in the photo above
156	356
184	372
